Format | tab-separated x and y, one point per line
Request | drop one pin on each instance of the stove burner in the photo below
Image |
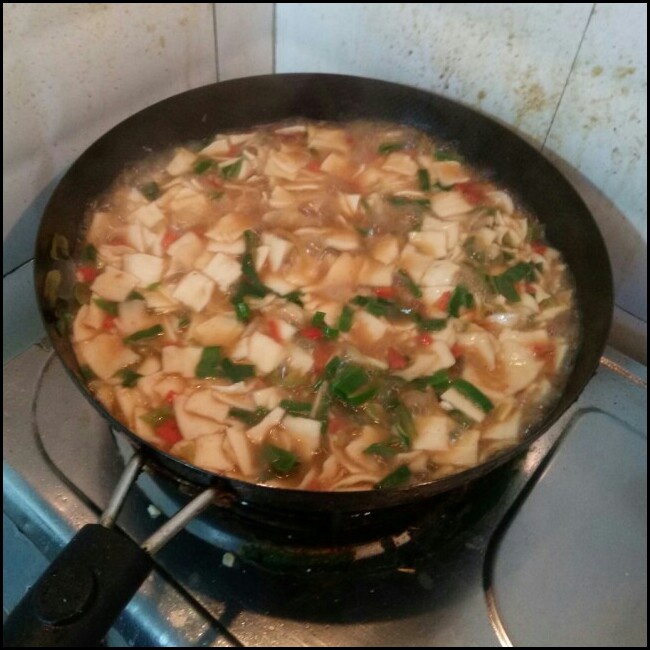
278	539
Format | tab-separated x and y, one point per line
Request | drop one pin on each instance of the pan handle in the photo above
77	599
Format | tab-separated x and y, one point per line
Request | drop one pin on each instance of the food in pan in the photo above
321	306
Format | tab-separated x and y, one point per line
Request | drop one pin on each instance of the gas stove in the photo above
549	550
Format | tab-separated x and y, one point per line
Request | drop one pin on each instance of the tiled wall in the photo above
572	77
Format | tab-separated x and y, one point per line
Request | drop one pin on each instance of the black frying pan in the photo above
194	115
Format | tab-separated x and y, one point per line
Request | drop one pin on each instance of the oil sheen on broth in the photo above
321	306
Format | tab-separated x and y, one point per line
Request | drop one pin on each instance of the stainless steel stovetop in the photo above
553	553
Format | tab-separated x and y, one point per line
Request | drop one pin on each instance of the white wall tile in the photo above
510	60
244	39
601	129
72	71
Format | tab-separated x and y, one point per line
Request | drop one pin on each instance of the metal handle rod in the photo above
179	521
122	488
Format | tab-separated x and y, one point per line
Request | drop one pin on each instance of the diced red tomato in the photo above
169	431
424	339
336	424
314	166
108	322
538	247
544	351
472	192
443	302
322	354
170	397
87	273
456	350
273	329
531	288
396	361
384	292
169	238
312	333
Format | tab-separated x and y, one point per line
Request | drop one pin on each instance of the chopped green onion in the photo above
129	377
329	371
404	200
506	281
351	385
345	319
153	286
232	170
184	321
51	286
142	335
464	420
424	179
296	408
439	381
202	166
87	373
389	147
280	460
294	297
443	154
82	293
150	191
248	417
396	478
89	254
60	250
318	321
432	324
403	425
209	362
460	298
409	283
157	416
236	371
242	311
473	394
135	295
108	306
382	449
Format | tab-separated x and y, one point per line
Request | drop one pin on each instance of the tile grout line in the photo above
566	83
216	40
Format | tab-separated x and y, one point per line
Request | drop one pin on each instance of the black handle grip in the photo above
75	602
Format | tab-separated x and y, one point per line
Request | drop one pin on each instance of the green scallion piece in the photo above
409	283
390	147
296	408
135	295
108	306
202	166
87	373
473	394
242	310
280	460
248	417
404	200
294	297
345	319
89	254
236	371
129	377
232	170
424	180
382	449
150	191
439	381
209	363
432	324
157	416
460	298
396	478
143	335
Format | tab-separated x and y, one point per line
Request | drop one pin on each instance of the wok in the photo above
100	570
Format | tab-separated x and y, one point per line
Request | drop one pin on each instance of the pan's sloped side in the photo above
242	103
